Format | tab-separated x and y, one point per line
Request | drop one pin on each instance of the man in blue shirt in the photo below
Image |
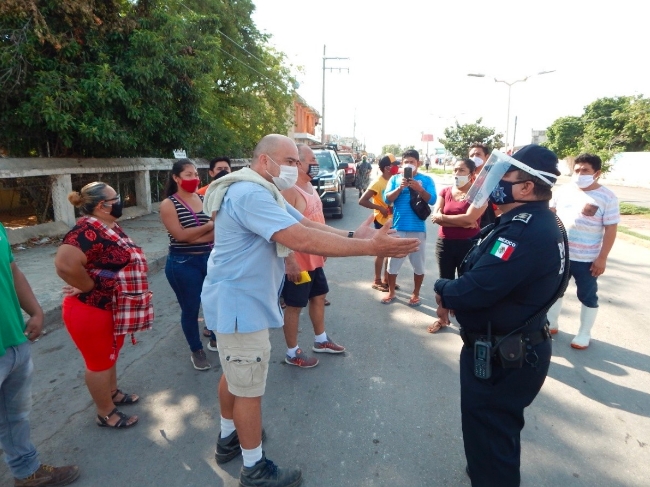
407	223
256	230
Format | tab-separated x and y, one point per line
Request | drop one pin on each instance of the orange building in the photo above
305	122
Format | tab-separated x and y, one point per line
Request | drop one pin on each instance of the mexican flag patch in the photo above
503	248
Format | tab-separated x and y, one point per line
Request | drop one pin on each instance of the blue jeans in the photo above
185	273
16	369
586	283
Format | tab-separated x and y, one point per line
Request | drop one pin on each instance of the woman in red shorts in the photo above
106	296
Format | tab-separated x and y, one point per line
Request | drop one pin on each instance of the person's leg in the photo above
291	322
417	260
446	268
185	276
226	399
492	414
16	370
587	287
379	264
394	265
91	329
317	313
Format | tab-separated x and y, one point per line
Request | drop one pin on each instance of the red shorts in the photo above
91	330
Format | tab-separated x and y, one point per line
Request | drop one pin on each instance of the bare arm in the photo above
69	263
169	217
313	240
598	266
366	202
28	303
467	220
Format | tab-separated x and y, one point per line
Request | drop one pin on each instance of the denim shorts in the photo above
245	361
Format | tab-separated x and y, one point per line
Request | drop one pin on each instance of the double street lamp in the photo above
509	83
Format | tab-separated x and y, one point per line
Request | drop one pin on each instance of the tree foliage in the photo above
458	138
124	78
607	126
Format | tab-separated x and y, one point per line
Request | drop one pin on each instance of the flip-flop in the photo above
327	303
388	300
380	287
414	304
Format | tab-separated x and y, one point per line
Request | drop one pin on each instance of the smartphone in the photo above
408	173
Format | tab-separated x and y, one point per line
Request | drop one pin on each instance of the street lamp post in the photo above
322	116
480	75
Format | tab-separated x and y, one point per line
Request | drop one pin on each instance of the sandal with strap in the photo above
380	286
123	422
436	326
126	398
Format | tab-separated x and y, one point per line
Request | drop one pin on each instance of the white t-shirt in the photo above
585	214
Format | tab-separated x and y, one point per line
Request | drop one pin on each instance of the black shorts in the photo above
377	224
298	295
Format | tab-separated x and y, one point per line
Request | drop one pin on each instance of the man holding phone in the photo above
406	221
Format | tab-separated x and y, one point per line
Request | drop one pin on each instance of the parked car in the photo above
350	167
330	182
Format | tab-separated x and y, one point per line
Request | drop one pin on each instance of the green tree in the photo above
124	78
607	126
395	149
458	138
564	136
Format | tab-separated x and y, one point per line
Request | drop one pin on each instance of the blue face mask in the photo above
502	194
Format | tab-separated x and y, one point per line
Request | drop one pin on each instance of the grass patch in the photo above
627	231
630	209
435	170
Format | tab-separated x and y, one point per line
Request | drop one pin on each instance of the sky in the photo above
409	60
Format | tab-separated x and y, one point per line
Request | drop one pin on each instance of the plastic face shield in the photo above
492	172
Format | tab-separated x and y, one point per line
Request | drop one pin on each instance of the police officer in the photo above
510	279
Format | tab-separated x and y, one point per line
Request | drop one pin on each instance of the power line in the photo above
251	68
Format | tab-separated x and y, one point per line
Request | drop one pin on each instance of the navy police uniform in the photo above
508	277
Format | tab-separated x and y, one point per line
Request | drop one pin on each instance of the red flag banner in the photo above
427	138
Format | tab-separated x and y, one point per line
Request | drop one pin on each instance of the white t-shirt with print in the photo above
585	214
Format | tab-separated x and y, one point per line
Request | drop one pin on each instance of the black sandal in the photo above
126	398
123	422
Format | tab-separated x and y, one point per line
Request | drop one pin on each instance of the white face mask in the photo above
583	180
478	161
461	181
409	165
287	178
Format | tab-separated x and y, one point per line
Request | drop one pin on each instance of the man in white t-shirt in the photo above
590	214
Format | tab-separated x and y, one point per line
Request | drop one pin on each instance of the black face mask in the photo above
313	170
116	209
220	174
502	194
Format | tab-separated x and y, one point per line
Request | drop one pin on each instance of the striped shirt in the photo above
404	218
585	214
188	220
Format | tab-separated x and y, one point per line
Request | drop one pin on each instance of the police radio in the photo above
483	356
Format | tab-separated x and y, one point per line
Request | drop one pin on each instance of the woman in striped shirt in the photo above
191	237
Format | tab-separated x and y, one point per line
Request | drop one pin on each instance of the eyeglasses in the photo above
117	199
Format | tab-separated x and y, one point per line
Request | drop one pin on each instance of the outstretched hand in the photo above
391	246
366	229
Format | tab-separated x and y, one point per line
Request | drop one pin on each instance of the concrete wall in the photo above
60	171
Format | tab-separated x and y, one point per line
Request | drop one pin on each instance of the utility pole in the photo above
322	115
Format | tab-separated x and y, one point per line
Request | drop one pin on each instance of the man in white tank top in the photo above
304	198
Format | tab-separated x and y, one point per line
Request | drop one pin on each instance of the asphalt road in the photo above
386	413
